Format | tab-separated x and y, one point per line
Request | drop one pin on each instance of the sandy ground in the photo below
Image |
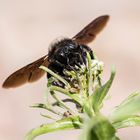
27	27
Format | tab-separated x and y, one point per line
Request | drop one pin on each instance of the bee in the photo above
64	54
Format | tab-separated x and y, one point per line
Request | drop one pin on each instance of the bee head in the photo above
60	50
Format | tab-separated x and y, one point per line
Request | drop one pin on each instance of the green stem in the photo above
61	103
49	108
89	76
54	75
75	97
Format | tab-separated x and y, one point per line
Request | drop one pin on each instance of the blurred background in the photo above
27	27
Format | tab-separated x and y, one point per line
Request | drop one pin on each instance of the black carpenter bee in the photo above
64	54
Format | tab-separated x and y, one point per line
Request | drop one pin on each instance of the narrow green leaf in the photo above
129	99
129	122
47	116
64	124
129	107
100	93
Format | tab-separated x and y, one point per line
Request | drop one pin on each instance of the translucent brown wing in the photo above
29	73
89	33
